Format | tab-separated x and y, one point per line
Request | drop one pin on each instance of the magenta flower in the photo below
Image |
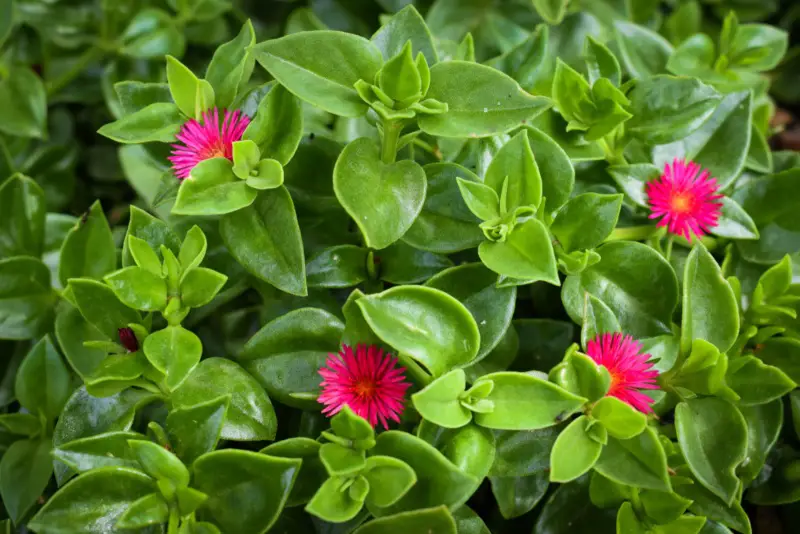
202	140
366	380
685	202
629	369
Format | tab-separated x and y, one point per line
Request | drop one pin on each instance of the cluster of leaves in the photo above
464	189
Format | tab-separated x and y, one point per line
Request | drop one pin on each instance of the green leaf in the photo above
710	310
159	463
719	144
445	224
174	351
339	266
389	480
755	382
341	461
448	338
144	256
734	222
439	482
104	450
7	11
437	519
138	288
159	122
149	510
518	495
25	470
334	502
23	424
480	199
399	78
403	264
492	307
527	253
154	231
152	33
195	430
713	437
639	461
601	62
24	112
632	179
200	285
620	419
525	402
526	61
246	490
597	319
405	25
515	162
439	402
250	415
642	296
481	101
43	382
668	108
586	220
574	452
22	228
212	189
231	66
286	354
758	47
191	95
88	249
569	508
265	239
644	52
555	168
709	505
783	353
382	199
94	501
26	298
552	11
573	97
101	308
277	127
324	80
580	375
312	473
764	423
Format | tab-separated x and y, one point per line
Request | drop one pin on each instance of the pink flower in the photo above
204	140
687	203
366	380
629	369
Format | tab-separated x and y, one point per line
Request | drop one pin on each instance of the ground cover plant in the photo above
393	266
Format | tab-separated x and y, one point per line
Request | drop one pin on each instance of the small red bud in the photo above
128	339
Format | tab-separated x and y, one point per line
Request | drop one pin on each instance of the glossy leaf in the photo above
427	324
639	461
481	101
713	437
88	249
25	470
22	227
265	239
250	415
26	297
43	381
382	199
527	254
586	220
574	452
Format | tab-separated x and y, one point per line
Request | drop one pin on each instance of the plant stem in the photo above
391	134
91	54
415	370
172	526
612	156
668	251
632	233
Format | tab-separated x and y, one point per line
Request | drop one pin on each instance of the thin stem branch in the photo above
90	55
632	233
391	135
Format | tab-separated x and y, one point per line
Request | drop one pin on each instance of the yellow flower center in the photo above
681	203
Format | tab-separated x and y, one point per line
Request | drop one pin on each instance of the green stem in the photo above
632	233
391	135
427	148
172	526
415	370
668	251
91	54
612	156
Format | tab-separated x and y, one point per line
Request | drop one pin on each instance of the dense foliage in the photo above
398	266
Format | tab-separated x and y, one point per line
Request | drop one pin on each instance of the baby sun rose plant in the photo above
327	267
